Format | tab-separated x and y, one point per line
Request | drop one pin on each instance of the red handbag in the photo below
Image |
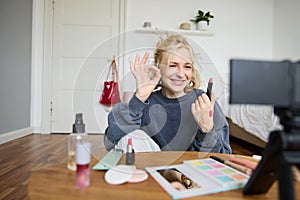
111	94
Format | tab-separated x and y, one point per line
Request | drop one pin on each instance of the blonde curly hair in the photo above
172	43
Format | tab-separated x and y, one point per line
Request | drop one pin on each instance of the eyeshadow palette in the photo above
197	177
222	174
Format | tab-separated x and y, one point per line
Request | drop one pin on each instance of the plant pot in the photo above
202	26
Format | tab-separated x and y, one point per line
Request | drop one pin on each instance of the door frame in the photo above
37	65
42	62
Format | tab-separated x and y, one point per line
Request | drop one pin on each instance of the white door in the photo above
84	39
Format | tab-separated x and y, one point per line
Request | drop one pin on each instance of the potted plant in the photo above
202	20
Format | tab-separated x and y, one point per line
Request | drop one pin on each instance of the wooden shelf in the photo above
185	32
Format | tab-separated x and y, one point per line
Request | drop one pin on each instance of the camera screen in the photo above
260	82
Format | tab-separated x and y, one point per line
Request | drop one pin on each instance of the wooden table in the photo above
57	182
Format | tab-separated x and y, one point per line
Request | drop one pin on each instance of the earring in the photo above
159	82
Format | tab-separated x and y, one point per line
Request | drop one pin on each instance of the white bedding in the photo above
258	120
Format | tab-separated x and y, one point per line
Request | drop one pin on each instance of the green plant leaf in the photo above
202	17
200	13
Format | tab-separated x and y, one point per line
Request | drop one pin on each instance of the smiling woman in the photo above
176	116
176	70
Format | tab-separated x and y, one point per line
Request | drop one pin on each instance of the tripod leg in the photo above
285	178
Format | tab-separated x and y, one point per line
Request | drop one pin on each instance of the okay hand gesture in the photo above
146	76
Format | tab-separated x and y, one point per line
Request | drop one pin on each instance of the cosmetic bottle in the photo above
78	135
130	156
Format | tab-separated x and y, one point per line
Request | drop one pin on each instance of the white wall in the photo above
286	29
242	28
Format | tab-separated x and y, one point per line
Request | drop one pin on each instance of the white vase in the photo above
202	26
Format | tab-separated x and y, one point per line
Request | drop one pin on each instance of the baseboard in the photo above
37	130
6	137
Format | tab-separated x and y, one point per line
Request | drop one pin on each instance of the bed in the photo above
251	123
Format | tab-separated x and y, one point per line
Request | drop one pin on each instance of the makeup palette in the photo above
197	177
220	173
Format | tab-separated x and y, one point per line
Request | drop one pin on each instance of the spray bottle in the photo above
78	134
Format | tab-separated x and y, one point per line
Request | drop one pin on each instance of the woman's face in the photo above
176	72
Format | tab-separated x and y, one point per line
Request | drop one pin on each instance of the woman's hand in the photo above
202	111
146	76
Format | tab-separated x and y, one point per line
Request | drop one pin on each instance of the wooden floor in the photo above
19	157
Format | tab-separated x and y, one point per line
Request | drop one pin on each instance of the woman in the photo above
178	116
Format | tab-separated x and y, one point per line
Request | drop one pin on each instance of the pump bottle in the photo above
78	135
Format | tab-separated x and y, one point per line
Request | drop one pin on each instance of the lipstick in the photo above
209	87
130	156
247	163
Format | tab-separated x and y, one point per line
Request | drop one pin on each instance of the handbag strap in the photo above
114	75
113	67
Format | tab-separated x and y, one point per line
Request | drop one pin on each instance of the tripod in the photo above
281	152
